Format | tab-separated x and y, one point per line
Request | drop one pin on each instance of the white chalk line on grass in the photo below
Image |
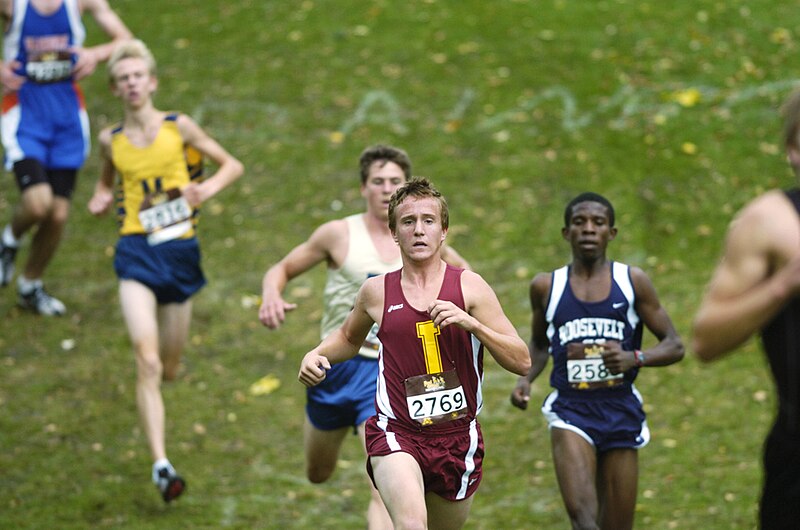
267	120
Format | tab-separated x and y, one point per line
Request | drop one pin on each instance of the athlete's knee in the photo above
170	370
171	352
149	366
59	215
169	375
411	521
582	519
318	473
38	204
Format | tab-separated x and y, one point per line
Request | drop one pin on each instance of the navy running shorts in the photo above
346	398
607	423
171	269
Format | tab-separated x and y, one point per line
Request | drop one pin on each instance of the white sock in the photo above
24	285
159	464
8	237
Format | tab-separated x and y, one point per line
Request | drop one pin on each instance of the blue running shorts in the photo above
606	423
171	269
346	398
46	122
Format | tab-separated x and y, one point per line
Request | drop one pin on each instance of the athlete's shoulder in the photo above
639	278
765	222
374	283
766	207
334	229
542	279
189	129
330	239
475	289
107	133
371	293
91	6
468	277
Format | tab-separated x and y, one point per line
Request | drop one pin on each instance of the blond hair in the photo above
131	49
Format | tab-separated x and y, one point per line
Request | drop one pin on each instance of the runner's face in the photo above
419	229
589	231
132	81
383	180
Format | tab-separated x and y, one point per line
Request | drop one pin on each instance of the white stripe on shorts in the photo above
469	460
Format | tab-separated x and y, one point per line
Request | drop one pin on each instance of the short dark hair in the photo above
419	188
589	196
384	153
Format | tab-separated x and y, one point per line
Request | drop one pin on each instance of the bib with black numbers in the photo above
585	367
165	216
435	398
49	67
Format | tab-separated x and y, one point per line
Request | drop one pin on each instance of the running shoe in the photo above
169	483
39	301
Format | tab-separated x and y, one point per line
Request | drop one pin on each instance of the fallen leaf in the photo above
266	385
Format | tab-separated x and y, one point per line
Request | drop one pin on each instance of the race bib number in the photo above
165	216
435	398
48	67
585	367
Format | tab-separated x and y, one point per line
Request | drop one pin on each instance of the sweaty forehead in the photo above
589	209
418	206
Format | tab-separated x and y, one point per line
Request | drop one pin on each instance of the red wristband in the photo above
639	357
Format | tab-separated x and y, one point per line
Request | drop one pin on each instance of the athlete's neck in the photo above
589	268
46	7
142	124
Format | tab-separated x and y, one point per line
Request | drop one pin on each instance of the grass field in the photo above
668	108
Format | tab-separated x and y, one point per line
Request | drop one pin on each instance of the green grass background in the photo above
512	107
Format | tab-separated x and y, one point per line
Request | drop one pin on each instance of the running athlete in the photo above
424	445
45	129
355	248
756	289
589	316
156	159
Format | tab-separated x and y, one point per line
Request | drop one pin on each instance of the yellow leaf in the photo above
452	126
780	36
687	98
266	385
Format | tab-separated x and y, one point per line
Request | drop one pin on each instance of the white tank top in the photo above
361	262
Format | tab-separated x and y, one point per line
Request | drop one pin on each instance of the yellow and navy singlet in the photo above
165	164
